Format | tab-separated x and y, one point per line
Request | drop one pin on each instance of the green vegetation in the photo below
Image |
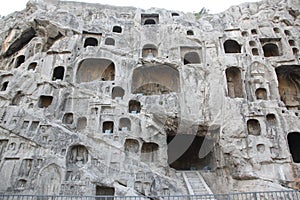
202	12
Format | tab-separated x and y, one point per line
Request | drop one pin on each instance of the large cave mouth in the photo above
184	152
92	69
155	80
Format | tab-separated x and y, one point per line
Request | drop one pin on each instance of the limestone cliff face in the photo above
97	99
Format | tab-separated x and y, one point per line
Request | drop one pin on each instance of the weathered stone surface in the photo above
98	99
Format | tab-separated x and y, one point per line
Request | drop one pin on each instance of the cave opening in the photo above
189	157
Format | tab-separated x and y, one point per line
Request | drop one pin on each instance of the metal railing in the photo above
272	195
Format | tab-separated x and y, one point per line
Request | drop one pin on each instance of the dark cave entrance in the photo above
183	152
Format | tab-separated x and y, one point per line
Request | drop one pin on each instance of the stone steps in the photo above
195	183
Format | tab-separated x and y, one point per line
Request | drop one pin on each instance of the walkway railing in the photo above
273	195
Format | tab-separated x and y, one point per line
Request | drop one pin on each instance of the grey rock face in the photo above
98	99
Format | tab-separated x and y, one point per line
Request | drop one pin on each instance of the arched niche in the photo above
117	92
110	42
108	127
289	85
125	124
68	118
149	152
58	73
32	66
261	94
270	50
20	60
294	145
234	82
149	51
77	154
155	80
271	120
49	180
232	46
134	106
190	32
117	29
150	19
131	145
90	41
149	22
92	69
4	85
191	58
45	101
253	127
259	77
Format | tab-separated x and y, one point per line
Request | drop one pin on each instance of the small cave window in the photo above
117	29
134	107
234	82
175	15
261	94
105	193
254	32
255	52
270	50
295	51
32	66
276	30
20	59
124	124
77	154
149	51
58	73
294	145
271	120
132	145
245	34
149	22
252	43
292	43
108	127
4	86
190	32
232	46
287	32
191	58
45	101
149	152
110	42
68	118
253	127
117	92
90	41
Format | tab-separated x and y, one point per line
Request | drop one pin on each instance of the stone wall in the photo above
97	99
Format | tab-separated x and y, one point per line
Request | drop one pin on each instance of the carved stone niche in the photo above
77	155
